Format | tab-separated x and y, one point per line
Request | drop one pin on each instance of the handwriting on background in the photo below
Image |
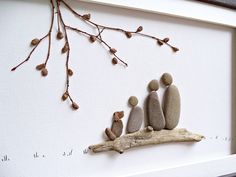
36	155
68	154
5	158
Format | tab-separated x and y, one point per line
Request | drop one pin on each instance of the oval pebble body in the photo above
117	127
172	107
154	112
135	120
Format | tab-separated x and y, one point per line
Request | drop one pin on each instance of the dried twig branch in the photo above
35	42
63	33
146	137
128	33
66	49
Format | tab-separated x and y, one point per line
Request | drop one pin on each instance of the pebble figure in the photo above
171	99
117	126
154	110
136	116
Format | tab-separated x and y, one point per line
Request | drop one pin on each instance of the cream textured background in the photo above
33	119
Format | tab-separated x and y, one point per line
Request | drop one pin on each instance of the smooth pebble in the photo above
172	107
135	120
117	127
133	100
166	79
154	112
153	85
110	134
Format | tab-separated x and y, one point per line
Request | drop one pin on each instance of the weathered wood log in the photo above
146	137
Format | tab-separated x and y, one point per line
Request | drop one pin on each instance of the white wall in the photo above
33	119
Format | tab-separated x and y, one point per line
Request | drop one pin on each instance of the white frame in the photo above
195	11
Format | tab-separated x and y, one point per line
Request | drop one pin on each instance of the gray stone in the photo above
135	120
117	128
172	107
154	112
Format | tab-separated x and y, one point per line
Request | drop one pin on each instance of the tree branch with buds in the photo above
62	32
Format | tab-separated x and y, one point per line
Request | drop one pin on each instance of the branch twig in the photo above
36	44
86	18
146	137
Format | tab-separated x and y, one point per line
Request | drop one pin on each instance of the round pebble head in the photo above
154	85
166	79
133	101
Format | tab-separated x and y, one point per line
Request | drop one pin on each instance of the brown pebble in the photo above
128	34
139	29
65	49
74	106
44	72
70	72
110	134
60	35
118	115
166	40
92	39
35	42
40	67
135	120
113	50
166	79
133	101
65	96
86	16
114	61
153	85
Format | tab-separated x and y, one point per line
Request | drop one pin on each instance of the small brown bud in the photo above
65	96
166	40
35	42
65	49
92	39
70	72
44	72
110	134
114	61
86	16
74	106
160	42
139	29
40	67
128	34
113	50
60	35
175	49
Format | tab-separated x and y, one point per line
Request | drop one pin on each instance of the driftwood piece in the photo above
146	137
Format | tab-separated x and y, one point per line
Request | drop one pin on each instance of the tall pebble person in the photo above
171	106
136	116
154	110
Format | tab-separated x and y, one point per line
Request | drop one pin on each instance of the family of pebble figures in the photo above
158	117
